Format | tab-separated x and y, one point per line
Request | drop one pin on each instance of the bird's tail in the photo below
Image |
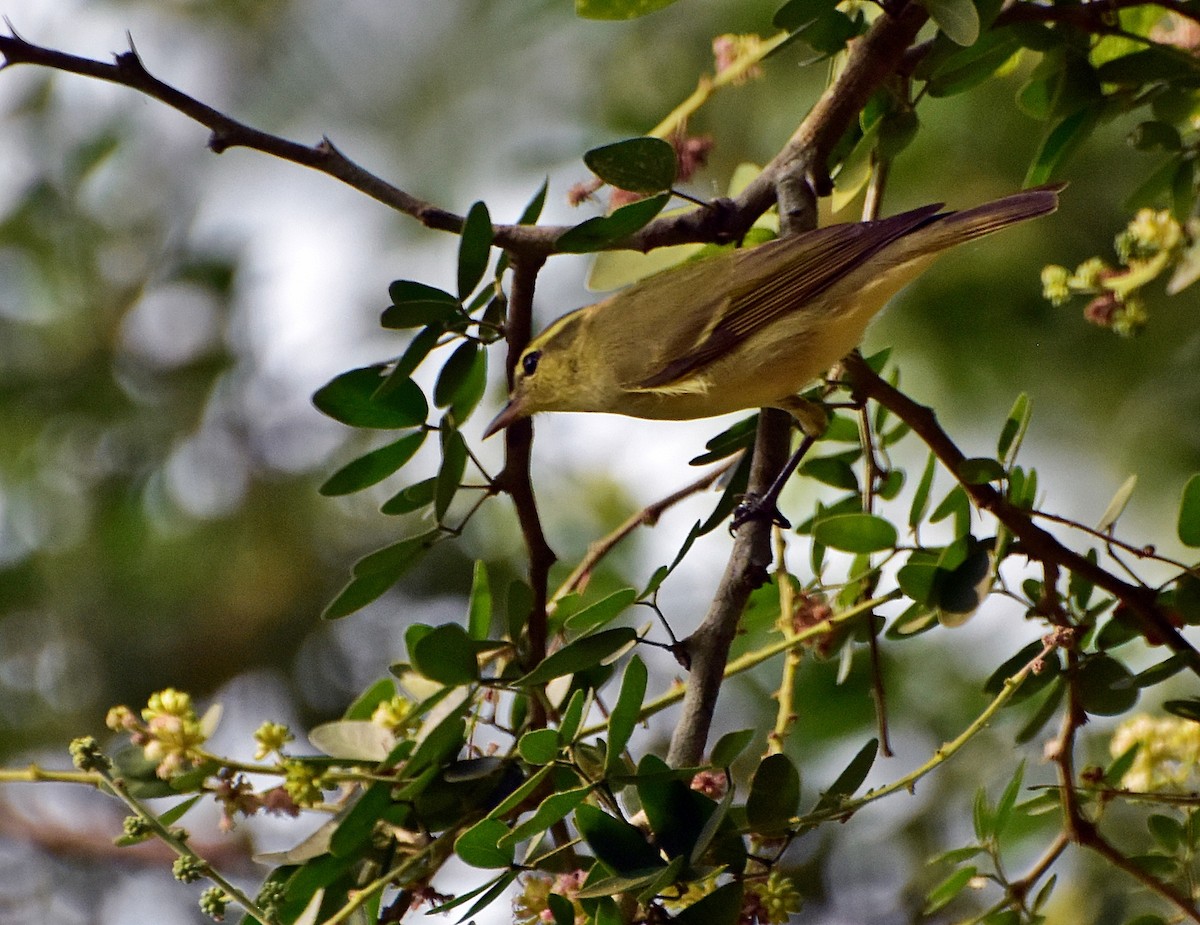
951	228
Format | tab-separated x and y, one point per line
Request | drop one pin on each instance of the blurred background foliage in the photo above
165	314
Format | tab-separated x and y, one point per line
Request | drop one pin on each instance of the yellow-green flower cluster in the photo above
303	783
1151	242
397	715
1167	756
775	899
532	905
271	737
169	732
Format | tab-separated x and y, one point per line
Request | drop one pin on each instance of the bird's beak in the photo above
510	414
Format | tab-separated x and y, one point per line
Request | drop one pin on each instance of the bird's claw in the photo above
752	507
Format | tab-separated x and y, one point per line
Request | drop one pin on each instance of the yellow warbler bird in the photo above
748	328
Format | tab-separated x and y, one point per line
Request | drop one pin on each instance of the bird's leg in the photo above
812	420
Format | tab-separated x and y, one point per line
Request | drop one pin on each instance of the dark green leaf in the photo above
1186	709
573	715
373	467
851	778
723	906
958	19
615	843
479	606
474	249
920	502
831	470
1062	141
980	470
1189	513
918	579
774	795
455	373
1008	799
471	390
351	399
897	132
1014	428
968	67
618	9
555	807
855	533
956	505
737	438
1155	136
416	305
735	487
795	14
479	845
446	654
1043	714
1146	66
411	498
358	824
829	32
375	573
583	653
1106	687
357	594
603	611
1156	674
625	712
416	351
729	746
639	165
449	477
533	211
597	233
942	894
539	746
1167	831
962	589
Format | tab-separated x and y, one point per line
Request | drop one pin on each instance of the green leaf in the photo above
733	440
1186	709
554	808
1013	431
796	14
639	165
539	746
1189	513
829	32
586	652
1008	799
1147	66
1060	143
1156	674
774	795
920	502
418	348
617	844
474	249
980	470
831	470
942	894
446	654
729	746
416	305
723	906
624	715
449	477
471	390
735	487
573	715
602	611
618	9
958	19
411	498
1106	687
966	68
358	825
533	210
597	233
375	573
860	533
373	467
961	590
351	398
479	845
479	603
455	373
851	778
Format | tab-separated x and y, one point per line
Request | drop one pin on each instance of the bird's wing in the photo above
782	277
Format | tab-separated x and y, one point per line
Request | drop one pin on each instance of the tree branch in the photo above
1035	542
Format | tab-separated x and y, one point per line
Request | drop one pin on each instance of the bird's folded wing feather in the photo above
781	284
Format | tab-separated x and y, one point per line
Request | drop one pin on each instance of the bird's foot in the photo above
754	507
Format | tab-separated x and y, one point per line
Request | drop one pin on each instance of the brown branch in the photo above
1079	827
1036	543
514	479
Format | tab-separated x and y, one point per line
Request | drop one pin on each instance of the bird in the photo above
748	328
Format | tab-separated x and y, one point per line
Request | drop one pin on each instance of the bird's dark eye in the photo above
529	362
